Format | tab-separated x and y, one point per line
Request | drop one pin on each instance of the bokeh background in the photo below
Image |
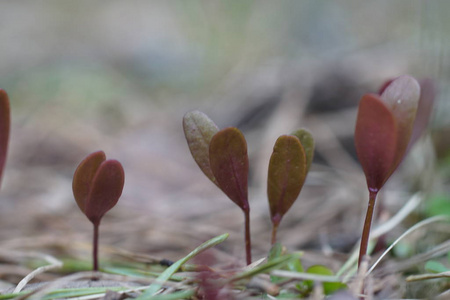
119	76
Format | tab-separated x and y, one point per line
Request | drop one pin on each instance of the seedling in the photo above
289	164
222	156
97	186
5	121
383	131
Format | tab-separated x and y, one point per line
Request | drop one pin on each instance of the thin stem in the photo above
367	225
274	233
248	244
95	247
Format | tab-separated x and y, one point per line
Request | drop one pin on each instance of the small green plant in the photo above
5	121
383	131
97	186
289	164
222	156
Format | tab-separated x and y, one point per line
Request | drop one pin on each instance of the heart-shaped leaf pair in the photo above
97	185
222	156
5	121
289	164
383	128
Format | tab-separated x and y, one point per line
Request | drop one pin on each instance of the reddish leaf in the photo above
307	141
84	175
385	85
375	140
5	122
199	130
425	107
401	97
229	164
287	173
105	191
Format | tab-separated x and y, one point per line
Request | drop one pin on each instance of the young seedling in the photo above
5	121
97	186
222	156
289	164
382	134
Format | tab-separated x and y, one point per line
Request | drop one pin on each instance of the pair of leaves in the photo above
289	164
383	128
220	154
5	121
97	185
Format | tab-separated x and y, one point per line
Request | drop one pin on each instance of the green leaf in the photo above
275	252
437	205
295	266
287	173
434	266
229	164
328	287
168	273
375	140
307	141
199	130
5	122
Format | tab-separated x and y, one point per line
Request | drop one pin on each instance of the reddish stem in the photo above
95	247
248	244
274	233
367	224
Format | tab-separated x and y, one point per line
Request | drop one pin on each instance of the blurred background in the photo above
119	76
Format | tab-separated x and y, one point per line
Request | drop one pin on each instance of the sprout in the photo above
222	156
383	131
97	186
289	164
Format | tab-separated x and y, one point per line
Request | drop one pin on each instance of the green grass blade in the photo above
79	292
175	296
154	287
275	263
12	296
136	273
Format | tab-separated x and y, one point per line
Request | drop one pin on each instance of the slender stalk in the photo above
367	225
274	233
95	247
248	244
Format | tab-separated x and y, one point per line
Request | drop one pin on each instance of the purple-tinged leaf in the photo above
307	141
105	191
385	85
287	173
229	164
199	130
375	140
83	177
425	107
401	97
5	121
